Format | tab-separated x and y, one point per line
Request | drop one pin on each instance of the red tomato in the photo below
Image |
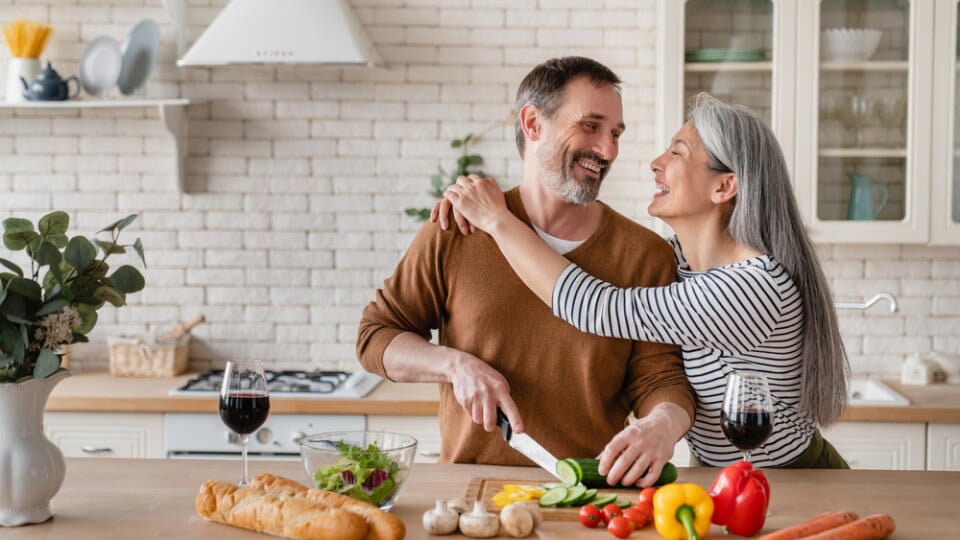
591	516
639	517
620	527
646	495
611	511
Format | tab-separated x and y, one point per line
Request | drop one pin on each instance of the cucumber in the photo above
623	502
550	485
588	497
574	494
584	471
553	497
604	499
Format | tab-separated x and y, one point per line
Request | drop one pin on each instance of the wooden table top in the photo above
107	499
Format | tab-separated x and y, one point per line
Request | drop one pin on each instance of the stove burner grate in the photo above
278	382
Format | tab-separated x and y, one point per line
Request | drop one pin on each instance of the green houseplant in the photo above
467	163
56	303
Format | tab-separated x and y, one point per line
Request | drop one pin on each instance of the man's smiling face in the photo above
581	141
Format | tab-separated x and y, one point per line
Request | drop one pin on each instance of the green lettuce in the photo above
366	474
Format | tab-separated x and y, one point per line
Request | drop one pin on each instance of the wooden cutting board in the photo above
483	489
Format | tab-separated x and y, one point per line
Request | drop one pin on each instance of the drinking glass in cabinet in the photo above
892	113
854	113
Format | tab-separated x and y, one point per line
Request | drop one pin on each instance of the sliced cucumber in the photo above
603	499
585	471
550	485
574	493
623	502
553	497
587	498
569	472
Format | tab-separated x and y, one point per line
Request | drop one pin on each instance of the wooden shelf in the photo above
885	65
172	113
702	67
863	152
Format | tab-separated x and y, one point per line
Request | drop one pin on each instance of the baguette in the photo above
382	525
295	518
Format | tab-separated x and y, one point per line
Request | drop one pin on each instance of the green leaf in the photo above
52	307
18	240
120	224
88	318
109	248
16	225
138	247
47	255
54	223
59	240
11	266
26	288
466	140
475	159
456	143
127	279
80	252
47	364
109	294
57	275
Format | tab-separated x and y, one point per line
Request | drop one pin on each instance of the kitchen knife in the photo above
525	444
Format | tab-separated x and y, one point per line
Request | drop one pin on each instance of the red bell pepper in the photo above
740	498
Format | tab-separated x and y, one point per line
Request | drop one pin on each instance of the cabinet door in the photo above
864	119
426	429
943	447
889	446
738	51
945	187
128	435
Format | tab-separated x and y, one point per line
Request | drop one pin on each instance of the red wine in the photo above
243	413
747	429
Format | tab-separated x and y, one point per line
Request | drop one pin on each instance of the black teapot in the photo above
48	86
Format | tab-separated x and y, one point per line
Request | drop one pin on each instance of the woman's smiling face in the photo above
684	184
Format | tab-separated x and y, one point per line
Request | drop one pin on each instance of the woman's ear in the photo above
530	121
726	189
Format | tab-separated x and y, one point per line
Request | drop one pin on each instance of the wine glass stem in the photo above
244	476
746	455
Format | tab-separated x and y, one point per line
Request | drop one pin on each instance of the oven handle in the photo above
96	449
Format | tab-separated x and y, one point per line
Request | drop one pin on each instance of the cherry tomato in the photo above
591	516
611	511
646	495
620	527
638	516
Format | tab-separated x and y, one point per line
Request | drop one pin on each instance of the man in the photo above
499	346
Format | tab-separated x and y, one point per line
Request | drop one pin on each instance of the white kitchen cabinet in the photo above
943	447
426	429
881	126
127	435
880	445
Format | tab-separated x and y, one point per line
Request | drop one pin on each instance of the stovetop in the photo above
292	383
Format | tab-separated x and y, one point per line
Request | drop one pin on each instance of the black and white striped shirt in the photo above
742	317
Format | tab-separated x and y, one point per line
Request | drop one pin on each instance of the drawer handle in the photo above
96	449
429	453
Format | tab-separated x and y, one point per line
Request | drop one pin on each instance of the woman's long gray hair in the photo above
765	217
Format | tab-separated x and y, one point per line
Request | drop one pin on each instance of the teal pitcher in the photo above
863	196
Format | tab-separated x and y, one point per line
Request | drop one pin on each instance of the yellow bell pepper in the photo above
682	511
512	493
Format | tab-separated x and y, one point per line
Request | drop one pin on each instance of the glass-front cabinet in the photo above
861	93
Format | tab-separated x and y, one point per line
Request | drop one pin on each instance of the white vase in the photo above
31	467
28	68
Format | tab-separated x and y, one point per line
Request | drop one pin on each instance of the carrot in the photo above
875	527
814	525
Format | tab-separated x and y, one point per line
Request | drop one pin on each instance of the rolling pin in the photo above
180	330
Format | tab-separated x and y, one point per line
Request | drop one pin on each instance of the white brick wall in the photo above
298	177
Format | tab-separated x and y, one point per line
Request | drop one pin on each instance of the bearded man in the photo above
579	395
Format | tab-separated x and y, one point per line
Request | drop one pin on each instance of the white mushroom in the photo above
479	523
516	520
458	505
440	520
534	508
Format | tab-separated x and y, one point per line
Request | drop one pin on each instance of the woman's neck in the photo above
709	245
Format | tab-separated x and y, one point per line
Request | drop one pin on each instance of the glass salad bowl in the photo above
369	466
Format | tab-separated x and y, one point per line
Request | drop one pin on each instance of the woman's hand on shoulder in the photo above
479	200
442	211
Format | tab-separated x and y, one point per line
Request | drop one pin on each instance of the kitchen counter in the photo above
105	499
101	392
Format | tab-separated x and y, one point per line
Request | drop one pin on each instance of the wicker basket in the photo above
137	357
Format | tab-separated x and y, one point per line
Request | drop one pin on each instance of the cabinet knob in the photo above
264	435
429	453
96	449
231	437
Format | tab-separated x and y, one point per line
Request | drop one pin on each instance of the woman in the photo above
751	295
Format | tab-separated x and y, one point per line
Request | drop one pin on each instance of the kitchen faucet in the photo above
873	300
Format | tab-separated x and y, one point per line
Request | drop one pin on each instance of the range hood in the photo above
283	32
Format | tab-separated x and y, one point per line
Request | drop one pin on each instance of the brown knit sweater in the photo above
574	390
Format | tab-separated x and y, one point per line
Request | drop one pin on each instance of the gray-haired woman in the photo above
751	297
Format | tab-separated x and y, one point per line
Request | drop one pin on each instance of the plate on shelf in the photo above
100	66
725	55
139	56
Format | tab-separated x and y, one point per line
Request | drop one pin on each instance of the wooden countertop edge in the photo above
912	413
201	405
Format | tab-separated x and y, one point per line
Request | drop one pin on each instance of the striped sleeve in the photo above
732	309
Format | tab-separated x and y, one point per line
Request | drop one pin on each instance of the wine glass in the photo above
855	115
244	404
747	414
892	111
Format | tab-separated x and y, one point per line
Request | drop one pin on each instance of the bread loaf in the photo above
289	517
382	525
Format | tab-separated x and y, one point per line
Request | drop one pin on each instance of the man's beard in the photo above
557	167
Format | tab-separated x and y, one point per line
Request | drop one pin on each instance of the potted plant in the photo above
52	305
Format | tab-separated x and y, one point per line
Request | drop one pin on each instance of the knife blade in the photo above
527	446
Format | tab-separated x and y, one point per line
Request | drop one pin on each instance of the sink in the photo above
873	393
